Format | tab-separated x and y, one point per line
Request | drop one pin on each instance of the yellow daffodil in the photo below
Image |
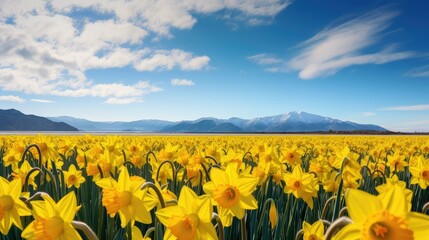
420	172
190	219
301	185
73	177
126	198
22	174
396	162
232	193
385	216
313	231
11	207
291	156
53	220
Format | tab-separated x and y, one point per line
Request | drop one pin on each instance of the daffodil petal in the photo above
206	210
361	204
67	207
418	223
395	201
186	198
248	202
246	185
218	176
349	232
209	188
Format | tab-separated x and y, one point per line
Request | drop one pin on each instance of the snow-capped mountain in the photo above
288	122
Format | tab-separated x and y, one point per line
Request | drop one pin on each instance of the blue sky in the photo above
362	61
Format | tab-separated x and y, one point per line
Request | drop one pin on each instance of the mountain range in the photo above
288	122
14	120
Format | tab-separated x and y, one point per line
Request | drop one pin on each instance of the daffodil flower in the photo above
232	193
11	207
385	216
126	198
53	220
301	185
190	219
73	177
313	231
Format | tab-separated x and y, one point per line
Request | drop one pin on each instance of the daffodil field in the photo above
214	187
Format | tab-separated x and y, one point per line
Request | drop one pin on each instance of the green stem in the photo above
243	227
85	229
219	226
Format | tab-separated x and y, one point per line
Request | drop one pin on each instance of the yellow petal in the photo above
248	202
15	188
395	201
67	207
28	232
124	179
137	234
349	232
225	216
246	185
418	223
361	204
106	183
318	228
188	200
141	213
218	176
206	210
165	214
237	211
207	231
231	172
209	188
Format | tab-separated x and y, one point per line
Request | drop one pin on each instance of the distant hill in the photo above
14	120
133	126
288	122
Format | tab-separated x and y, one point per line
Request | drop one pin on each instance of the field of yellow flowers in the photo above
214	187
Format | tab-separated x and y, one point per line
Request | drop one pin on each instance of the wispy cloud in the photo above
181	82
123	101
419	71
421	107
265	59
345	45
41	100
10	98
368	114
340	46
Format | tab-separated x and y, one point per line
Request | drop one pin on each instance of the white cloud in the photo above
181	82
169	59
419	71
122	101
161	15
339	47
368	114
46	50
41	100
342	46
421	107
265	59
10	98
